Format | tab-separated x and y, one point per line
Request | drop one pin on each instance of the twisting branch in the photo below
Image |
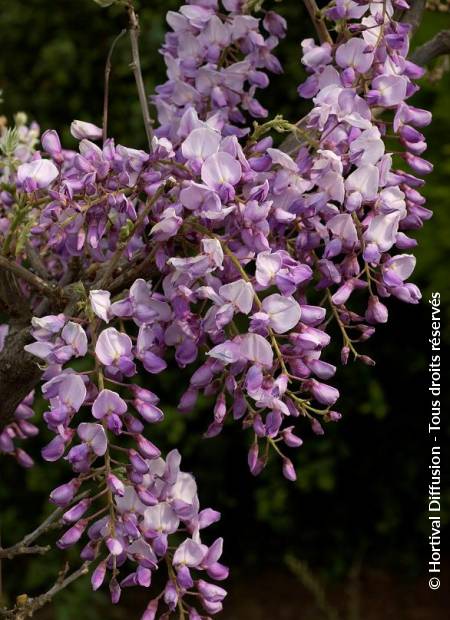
38	283
131	271
10	553
136	67
319	24
19	372
24	545
106	88
26	607
437	46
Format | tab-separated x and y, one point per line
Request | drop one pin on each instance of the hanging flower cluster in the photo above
218	250
216	61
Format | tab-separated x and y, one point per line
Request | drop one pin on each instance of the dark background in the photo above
358	513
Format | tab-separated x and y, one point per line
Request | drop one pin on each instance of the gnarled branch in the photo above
38	283
26	606
19	372
437	46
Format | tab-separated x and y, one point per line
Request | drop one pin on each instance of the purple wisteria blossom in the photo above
218	251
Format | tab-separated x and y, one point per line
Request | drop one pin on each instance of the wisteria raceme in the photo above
220	251
216	61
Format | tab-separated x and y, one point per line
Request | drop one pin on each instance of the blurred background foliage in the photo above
361	492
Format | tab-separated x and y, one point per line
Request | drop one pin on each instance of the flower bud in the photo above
23	458
187	401
83	130
98	576
218	571
137	462
290	439
170	595
77	511
72	535
220	408
143	576
89	551
184	577
365	359
325	394
145	496
114	590
288	470
115	485
376	311
129	581
317	427
150	611
334	416
114	545
345	352
51	143
419	165
147	448
210	591
63	495
148	411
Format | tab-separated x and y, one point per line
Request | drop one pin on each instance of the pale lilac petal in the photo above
221	168
343	227
189	553
100	303
94	435
382	230
228	352
108	402
267	267
240	294
284	312
365	181
112	345
74	335
256	349
201	144
41	172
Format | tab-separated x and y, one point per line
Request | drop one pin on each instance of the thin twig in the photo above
136	67
38	283
114	261
319	24
106	90
23	546
26	607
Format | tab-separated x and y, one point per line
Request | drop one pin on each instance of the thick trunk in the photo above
19	372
